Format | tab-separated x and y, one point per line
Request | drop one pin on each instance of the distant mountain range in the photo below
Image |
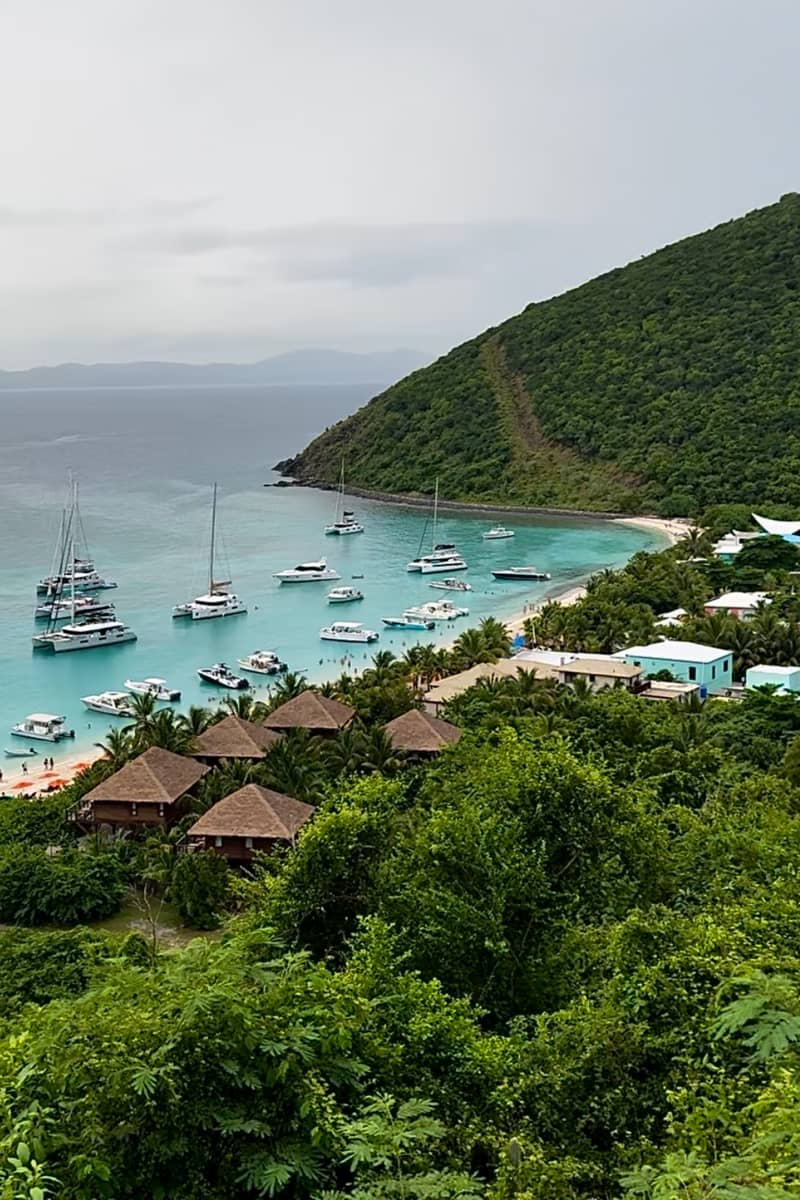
297	366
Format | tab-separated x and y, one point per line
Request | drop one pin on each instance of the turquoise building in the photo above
707	666
787	679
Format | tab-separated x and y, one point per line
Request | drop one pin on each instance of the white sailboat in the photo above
345	521
217	601
444	556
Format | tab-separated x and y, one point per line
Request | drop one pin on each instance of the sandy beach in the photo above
37	778
673	529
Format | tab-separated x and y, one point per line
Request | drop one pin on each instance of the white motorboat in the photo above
497	533
309	572
81	606
153	687
29	753
345	521
263	662
436	610
406	622
451	585
84	635
444	556
113	704
42	727
347	631
217	602
521	573
344	595
222	676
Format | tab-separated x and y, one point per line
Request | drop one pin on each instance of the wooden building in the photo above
313	712
145	793
250	820
235	740
421	735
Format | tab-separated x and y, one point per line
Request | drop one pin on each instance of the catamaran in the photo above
77	572
84	635
42	727
263	662
347	631
217	601
443	556
345	521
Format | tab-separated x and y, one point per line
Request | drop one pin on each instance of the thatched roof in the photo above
254	812
233	737
311	711
157	776
506	668
420	733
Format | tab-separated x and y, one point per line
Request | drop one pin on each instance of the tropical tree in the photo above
195	720
288	686
469	649
246	706
119	746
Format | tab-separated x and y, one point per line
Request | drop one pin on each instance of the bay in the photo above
146	459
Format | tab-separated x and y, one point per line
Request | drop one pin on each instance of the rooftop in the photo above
233	737
692	652
738	600
311	711
254	812
157	776
605	665
766	669
419	732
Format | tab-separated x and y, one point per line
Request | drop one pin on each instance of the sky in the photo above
198	180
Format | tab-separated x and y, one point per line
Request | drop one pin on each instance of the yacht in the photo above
84	635
407	622
153	687
81	606
347	631
497	533
113	704
444	557
343	595
42	727
217	602
263	662
79	580
221	676
345	520
436	610
452	585
520	573
309	572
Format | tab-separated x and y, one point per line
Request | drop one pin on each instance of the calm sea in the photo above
146	460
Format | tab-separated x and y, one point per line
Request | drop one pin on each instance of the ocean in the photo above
146	459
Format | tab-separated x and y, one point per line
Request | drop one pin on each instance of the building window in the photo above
713	670
161	810
693	673
725	665
218	842
134	808
636	664
591	679
248	843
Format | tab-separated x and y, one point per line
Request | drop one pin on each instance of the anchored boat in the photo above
347	631
217	601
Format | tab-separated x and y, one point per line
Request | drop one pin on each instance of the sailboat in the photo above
443	556
217	601
345	521
77	572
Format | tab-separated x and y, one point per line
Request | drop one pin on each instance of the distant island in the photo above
295	367
668	386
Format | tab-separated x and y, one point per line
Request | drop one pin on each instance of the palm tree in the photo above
144	712
696	543
164	729
118	747
294	766
196	720
379	755
496	638
470	648
385	668
246	706
344	754
290	685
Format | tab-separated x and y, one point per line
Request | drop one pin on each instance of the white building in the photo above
742	605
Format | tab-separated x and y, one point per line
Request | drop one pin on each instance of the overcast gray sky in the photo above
207	179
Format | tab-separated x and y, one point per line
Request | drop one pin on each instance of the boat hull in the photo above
309	577
277	669
59	646
399	623
199	615
442	568
234	684
542	576
353	638
109	711
331	530
38	737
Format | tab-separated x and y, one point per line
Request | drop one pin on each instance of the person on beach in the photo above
24	768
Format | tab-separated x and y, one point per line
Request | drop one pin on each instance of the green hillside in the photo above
667	385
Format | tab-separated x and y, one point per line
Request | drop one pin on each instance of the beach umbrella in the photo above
58	782
23	783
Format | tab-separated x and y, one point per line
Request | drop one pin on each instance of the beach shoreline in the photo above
37	780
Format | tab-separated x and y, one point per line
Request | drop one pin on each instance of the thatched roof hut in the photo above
418	732
253	812
234	738
313	712
157	777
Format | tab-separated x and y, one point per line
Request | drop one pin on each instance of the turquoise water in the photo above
146	459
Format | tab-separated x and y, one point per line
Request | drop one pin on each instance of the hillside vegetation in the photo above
669	385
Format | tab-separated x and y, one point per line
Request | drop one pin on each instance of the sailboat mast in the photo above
435	511
213	539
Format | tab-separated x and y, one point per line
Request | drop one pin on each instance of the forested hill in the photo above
667	385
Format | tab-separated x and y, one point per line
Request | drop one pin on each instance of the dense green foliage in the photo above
198	888
68	887
669	385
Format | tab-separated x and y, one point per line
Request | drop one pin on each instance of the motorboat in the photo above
436	610
42	727
520	573
80	606
113	704
29	753
343	595
153	686
444	556
497	533
308	572
345	519
406	622
222	676
347	631
451	585
263	662
84	635
217	601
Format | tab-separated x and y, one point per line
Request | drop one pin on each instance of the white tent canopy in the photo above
780	528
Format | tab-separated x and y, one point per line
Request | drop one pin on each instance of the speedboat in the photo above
496	533
217	601
406	622
113	704
443	557
347	631
520	573
343	595
43	727
436	610
452	585
221	676
81	606
152	687
29	753
84	635
263	662
308	572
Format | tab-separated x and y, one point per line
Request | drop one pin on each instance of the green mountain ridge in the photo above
667	385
